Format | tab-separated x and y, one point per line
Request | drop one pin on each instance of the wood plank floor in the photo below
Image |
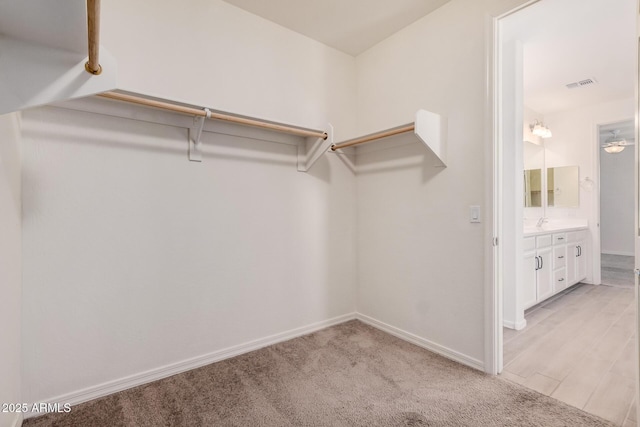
579	348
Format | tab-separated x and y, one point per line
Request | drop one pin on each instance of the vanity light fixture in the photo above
539	129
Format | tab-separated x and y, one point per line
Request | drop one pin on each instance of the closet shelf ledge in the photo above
430	129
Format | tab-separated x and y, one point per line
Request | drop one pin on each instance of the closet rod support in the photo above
93	32
195	133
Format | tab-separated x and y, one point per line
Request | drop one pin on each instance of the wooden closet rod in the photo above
373	137
93	31
218	116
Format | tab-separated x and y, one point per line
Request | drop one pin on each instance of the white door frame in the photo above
496	198
637	204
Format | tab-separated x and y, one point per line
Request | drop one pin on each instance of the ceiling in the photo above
565	41
351	26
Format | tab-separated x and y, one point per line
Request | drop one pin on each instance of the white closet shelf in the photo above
430	129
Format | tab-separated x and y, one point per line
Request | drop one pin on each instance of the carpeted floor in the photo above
346	375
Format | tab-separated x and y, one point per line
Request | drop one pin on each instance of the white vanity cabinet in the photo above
576	256
560	257
538	274
552	263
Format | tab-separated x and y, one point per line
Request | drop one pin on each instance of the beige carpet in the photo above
346	375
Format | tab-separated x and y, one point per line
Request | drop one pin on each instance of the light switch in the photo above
474	213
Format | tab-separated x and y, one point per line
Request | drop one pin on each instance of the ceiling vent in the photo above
581	83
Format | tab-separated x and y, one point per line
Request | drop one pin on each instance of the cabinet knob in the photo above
561	279
561	256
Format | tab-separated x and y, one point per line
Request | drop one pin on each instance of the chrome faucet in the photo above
541	221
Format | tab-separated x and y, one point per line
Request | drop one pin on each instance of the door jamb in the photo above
494	194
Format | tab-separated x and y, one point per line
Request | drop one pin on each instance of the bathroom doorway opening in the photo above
616	191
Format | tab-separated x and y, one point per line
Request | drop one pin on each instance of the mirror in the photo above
533	167
563	187
533	188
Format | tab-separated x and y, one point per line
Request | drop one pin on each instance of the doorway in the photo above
571	106
616	154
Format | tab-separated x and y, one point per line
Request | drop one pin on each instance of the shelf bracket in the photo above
195	133
311	149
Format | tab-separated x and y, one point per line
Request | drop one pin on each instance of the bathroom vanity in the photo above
555	257
552	253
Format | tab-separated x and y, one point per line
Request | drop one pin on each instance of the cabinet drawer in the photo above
529	244
574	236
543	241
559	279
559	238
559	256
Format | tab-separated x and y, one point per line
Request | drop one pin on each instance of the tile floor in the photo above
617	270
579	347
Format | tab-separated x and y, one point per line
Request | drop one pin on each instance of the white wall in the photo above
135	258
575	142
420	261
616	202
10	265
210	53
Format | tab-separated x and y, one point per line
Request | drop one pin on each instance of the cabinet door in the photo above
581	261
545	274
572	260
529	296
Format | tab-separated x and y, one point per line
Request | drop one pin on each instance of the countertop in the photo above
554	226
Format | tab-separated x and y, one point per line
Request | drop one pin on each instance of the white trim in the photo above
17	420
517	326
422	342
146	377
595	235
493	291
636	216
618	253
493	339
155	374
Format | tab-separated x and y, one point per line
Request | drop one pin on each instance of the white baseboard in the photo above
617	253
422	342
151	375
512	325
146	377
